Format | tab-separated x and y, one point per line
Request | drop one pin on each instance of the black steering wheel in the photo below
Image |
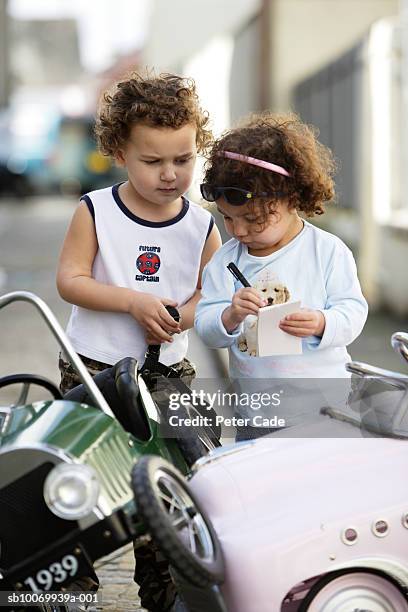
30	379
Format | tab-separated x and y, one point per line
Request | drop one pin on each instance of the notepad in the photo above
271	340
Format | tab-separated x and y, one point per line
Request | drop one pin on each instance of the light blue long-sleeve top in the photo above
320	271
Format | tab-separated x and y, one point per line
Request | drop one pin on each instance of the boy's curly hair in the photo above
283	140
166	100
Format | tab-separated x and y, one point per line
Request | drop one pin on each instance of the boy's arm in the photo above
77	286
187	311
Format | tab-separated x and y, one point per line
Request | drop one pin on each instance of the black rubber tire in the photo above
193	449
213	430
193	442
151	510
205	439
176	385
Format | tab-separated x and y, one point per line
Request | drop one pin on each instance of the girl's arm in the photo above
217	292
346	309
77	286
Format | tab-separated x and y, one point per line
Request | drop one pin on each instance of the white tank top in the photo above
160	258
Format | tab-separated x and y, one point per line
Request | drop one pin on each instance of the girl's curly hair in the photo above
283	140
166	100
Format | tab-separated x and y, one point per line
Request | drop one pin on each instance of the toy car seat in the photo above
119	386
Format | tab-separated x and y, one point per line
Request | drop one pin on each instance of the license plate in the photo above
51	576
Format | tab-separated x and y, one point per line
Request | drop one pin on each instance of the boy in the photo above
134	248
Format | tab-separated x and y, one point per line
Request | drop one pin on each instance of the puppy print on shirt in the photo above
273	293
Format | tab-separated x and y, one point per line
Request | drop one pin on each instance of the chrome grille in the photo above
113	461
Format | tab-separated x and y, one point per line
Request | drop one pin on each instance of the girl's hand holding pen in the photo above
245	301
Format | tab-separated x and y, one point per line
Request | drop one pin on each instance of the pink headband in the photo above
256	162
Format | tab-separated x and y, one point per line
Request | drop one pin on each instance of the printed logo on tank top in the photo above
148	264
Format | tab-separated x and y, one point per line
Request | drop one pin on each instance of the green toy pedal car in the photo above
66	497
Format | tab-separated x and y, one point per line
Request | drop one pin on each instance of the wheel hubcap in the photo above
357	592
185	517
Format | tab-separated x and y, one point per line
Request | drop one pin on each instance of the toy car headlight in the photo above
71	491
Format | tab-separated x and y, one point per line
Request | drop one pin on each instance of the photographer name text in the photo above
234	421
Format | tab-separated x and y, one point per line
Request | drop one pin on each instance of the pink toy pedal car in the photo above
285	523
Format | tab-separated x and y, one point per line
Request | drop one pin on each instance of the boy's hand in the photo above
245	301
150	312
304	323
151	339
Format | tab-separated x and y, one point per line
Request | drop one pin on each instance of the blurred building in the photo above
36	54
54	67
307	35
356	101
342	64
4	76
342	73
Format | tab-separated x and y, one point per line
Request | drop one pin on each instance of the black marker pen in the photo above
238	275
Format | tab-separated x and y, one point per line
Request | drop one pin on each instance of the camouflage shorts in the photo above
70	379
69	376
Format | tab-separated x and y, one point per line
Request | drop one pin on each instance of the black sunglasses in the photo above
232	195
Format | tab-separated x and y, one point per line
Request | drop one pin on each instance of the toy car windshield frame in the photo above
63	341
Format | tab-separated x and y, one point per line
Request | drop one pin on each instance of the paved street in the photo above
30	239
119	592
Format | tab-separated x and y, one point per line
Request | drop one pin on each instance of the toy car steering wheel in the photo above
27	380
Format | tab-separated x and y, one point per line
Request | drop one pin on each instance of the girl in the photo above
262	175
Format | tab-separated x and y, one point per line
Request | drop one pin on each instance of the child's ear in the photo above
120	158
